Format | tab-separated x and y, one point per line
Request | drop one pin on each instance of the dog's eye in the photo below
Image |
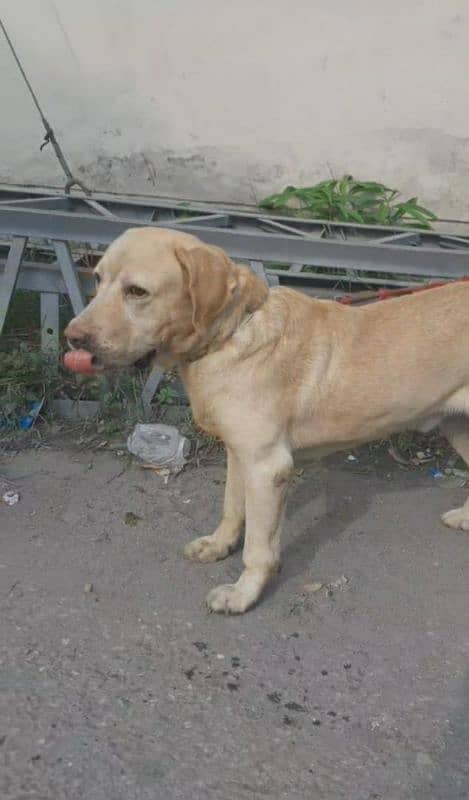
136	291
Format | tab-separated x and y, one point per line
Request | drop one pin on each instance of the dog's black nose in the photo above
78	338
77	342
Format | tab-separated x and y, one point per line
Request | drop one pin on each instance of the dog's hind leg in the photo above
456	430
223	542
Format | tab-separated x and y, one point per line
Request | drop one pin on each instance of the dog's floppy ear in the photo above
211	280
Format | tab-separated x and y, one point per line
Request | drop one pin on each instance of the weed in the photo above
349	200
203	442
166	396
28	375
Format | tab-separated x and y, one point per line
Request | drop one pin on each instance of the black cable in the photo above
50	135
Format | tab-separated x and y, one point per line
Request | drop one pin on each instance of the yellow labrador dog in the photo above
273	373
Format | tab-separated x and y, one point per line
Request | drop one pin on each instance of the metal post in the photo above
150	388
10	275
49	303
258	269
64	257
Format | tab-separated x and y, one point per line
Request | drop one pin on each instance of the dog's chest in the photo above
204	416
202	397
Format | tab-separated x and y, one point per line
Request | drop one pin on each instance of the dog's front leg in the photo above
266	479
221	543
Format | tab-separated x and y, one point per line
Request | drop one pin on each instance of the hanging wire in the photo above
50	135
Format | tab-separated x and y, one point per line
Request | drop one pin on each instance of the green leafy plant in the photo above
349	200
166	396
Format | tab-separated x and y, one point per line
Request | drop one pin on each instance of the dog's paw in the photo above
228	599
457	518
205	550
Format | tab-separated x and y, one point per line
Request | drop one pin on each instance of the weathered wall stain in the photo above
252	102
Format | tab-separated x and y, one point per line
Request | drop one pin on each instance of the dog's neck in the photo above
217	337
252	294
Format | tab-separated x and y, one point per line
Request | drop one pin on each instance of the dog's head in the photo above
162	295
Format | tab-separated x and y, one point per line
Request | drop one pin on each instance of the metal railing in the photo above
312	255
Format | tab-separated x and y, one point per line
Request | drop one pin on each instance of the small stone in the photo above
10	498
292	706
275	697
424	760
312	588
340	583
88	587
132	519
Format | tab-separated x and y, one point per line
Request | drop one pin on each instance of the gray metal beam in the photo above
210	220
41	277
150	388
280	226
51	203
10	276
68	269
99	208
129	211
47	278
446	240
150	208
258	269
252	245
411	238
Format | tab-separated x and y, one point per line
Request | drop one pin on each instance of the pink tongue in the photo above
80	361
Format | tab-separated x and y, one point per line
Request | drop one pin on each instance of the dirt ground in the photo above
132	691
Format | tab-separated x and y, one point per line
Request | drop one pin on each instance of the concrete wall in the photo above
224	100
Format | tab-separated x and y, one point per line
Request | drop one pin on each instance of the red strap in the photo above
387	294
